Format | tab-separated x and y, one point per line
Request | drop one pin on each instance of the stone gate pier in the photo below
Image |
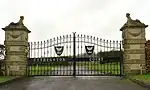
133	34
16	43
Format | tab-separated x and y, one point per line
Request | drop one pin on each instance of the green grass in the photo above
38	70
111	68
108	68
6	78
145	78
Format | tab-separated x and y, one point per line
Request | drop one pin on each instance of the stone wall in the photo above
16	45
133	35
147	48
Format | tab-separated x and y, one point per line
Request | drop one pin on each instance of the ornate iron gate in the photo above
77	55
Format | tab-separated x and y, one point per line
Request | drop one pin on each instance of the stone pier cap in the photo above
132	23
17	26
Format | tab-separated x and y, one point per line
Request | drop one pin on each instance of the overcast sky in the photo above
51	18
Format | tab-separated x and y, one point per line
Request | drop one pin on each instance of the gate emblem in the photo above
59	50
89	49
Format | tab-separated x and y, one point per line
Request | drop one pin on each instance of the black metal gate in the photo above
77	55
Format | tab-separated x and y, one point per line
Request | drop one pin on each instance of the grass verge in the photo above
6	78
144	78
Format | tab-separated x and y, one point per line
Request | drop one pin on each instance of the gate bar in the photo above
74	54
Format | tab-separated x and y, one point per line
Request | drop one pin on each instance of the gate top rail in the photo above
80	38
66	43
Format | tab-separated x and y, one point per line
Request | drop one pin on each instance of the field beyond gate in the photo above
75	55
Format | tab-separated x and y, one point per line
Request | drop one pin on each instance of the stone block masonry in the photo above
133	35
16	43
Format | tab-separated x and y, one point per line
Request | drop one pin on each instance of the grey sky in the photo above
51	18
